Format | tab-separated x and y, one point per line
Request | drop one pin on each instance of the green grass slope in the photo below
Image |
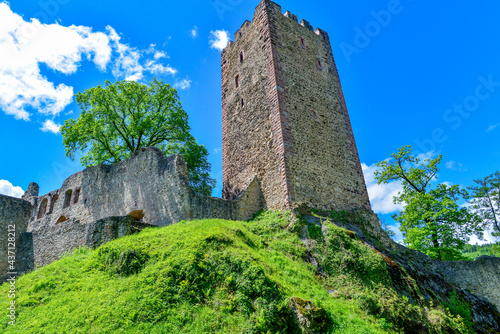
216	276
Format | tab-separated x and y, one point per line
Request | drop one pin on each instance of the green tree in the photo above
485	200
120	118
431	221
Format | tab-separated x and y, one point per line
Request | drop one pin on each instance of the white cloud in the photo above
488	238
492	127
381	195
7	188
453	165
159	55
217	150
25	45
50	126
218	39
426	156
156	68
194	32
183	84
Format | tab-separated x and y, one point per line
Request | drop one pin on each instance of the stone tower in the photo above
284	118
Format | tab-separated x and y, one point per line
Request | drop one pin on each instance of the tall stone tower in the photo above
284	118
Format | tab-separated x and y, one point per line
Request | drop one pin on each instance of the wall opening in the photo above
237	81
67	198
242	103
137	215
52	203
242	56
61	219
302	43
320	66
43	208
77	195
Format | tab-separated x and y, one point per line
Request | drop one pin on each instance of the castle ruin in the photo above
287	143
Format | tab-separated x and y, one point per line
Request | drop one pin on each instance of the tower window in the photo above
314	114
242	103
302	43
242	56
237	81
320	67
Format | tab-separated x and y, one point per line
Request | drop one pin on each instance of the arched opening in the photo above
52	203
137	215
61	219
67	198
77	195
242	56
43	208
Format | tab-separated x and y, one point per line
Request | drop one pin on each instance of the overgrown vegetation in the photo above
212	276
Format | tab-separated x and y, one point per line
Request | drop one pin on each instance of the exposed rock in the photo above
312	319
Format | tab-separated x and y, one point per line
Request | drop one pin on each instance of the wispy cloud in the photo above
7	188
26	45
492	127
381	195
50	126
456	166
193	32
183	84
218	39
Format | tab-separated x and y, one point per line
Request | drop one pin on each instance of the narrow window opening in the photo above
320	67
237	81
242	103
77	196
67	198
302	43
52	203
242	57
314	114
43	208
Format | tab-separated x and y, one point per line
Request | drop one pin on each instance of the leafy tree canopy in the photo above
485	200
120	118
432	221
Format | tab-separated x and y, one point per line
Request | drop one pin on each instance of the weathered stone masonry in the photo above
284	116
287	141
102	203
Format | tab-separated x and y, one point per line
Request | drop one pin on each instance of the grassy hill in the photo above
212	276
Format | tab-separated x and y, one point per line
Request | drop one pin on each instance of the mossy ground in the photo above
212	276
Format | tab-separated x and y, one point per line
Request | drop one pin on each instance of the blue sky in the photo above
425	73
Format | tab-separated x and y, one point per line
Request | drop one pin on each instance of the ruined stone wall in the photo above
480	277
284	116
51	243
148	184
14	217
148	188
